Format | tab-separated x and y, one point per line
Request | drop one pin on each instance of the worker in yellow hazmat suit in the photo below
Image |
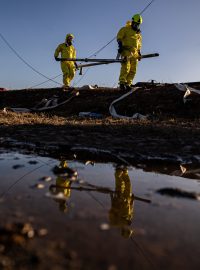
63	184
121	212
129	40
68	68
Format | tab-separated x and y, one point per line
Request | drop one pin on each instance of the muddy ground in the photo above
170	133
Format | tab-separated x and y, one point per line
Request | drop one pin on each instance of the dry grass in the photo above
12	118
8	118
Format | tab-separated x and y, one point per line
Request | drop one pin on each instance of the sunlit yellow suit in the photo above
121	212
63	185
131	44
67	67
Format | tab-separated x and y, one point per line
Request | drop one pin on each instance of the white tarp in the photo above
116	115
187	89
43	105
88	87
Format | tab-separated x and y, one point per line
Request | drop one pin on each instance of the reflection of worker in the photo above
63	184
129	41
121	212
67	50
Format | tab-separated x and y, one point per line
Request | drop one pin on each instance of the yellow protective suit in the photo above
63	185
121	212
67	67
131	44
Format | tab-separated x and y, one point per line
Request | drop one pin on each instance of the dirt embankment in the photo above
170	133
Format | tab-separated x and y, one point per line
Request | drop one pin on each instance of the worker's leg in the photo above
127	183
72	71
66	73
132	70
125	67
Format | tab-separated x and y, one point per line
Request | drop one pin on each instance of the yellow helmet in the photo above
137	18
69	35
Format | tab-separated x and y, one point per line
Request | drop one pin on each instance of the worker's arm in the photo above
56	53
120	37
74	56
139	46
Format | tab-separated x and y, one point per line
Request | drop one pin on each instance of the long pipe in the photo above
104	61
98	189
90	60
94	64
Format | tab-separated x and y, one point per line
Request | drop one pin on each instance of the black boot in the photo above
122	86
128	87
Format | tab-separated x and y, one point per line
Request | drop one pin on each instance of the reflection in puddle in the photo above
62	190
121	212
98	216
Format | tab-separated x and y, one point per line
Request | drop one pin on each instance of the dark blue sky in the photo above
35	28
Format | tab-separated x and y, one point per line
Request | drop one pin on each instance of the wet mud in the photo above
55	217
170	133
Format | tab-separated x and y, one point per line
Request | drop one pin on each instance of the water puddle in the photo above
67	214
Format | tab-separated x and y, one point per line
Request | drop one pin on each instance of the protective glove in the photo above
125	58
139	55
57	59
76	65
120	48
